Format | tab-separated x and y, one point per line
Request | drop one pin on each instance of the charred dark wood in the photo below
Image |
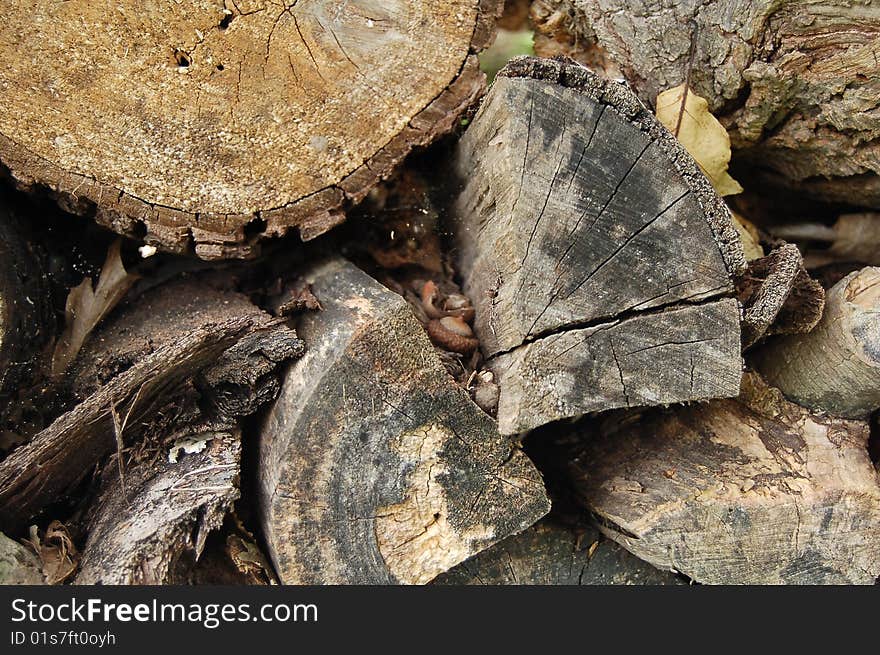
152	351
26	320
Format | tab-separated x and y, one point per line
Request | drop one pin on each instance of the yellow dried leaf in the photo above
748	235
86	307
701	135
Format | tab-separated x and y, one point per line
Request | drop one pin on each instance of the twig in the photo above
118	429
687	79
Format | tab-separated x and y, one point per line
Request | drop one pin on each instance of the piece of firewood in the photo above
374	466
581	213
779	296
836	367
214	123
26	321
796	84
750	491
150	529
177	338
552	554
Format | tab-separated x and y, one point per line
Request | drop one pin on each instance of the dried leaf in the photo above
86	307
748	235
249	560
58	556
700	133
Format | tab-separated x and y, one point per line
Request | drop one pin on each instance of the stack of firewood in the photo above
289	294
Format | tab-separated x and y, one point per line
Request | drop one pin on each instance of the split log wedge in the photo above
599	258
374	466
213	123
750	491
552	554
835	367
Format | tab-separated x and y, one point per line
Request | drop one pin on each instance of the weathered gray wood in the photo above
678	354
577	207
754	491
152	350
795	83
374	466
836	367
551	554
152	528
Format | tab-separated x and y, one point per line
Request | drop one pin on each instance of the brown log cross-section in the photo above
207	124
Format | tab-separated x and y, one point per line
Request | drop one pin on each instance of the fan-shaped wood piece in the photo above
212	123
374	466
598	255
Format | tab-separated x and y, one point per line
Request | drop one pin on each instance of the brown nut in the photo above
452	333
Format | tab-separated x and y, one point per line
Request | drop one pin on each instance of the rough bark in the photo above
750	491
26	321
551	554
212	124
138	364
579	211
795	82
374	466
150	529
836	367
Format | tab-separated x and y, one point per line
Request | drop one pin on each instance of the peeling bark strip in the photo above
156	525
136	365
551	554
749	491
835	367
226	125
797	84
579	210
374	466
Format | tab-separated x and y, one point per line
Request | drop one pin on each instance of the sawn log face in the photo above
577	209
374	466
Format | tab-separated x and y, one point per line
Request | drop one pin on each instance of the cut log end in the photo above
282	115
374	466
580	213
836	366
